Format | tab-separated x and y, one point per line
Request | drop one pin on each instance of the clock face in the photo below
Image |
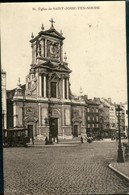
33	86
53	50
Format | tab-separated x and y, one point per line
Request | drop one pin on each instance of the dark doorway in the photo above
75	131
30	132
53	127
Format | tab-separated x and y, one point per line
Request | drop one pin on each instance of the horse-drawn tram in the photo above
15	137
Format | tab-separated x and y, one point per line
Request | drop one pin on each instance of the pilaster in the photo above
15	114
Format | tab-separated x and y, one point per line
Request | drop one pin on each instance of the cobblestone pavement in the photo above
82	169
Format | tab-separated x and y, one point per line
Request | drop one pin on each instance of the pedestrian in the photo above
116	138
46	140
33	140
81	139
57	139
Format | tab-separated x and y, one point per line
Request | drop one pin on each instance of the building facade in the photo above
126	119
45	105
92	119
112	118
4	105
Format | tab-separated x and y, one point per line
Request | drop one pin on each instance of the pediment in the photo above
55	76
53	32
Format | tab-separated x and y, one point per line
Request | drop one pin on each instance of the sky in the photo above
95	43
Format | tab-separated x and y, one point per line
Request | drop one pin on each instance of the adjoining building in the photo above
123	120
92	118
126	119
111	122
101	118
4	105
45	104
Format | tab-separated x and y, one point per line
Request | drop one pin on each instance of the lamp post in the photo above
120	158
127	130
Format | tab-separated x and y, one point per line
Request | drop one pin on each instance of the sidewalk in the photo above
64	143
121	168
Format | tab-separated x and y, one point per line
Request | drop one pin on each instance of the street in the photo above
81	169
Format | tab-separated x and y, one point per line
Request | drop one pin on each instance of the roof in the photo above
54	66
10	93
16	129
93	102
52	32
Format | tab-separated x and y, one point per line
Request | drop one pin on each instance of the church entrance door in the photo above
75	132
30	132
53	127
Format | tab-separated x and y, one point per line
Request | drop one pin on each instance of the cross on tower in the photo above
19	80
52	21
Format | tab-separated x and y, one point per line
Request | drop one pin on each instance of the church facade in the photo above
46	105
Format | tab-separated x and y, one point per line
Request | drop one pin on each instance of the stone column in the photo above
63	88
45	42
42	48
37	88
61	51
14	114
39	104
32	46
40	86
33	53
67	81
45	86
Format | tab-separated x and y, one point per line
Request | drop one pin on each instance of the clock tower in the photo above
47	45
49	74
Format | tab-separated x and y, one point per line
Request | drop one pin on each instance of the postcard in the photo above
64	98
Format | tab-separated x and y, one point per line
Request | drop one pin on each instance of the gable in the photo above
55	76
52	32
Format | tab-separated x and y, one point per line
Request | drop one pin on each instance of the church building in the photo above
45	104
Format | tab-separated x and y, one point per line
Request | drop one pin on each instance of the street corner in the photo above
121	169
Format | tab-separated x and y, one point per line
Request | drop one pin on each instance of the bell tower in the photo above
47	45
49	72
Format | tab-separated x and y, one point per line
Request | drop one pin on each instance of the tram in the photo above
15	137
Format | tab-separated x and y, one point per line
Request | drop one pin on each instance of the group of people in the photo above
89	139
56	140
51	140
